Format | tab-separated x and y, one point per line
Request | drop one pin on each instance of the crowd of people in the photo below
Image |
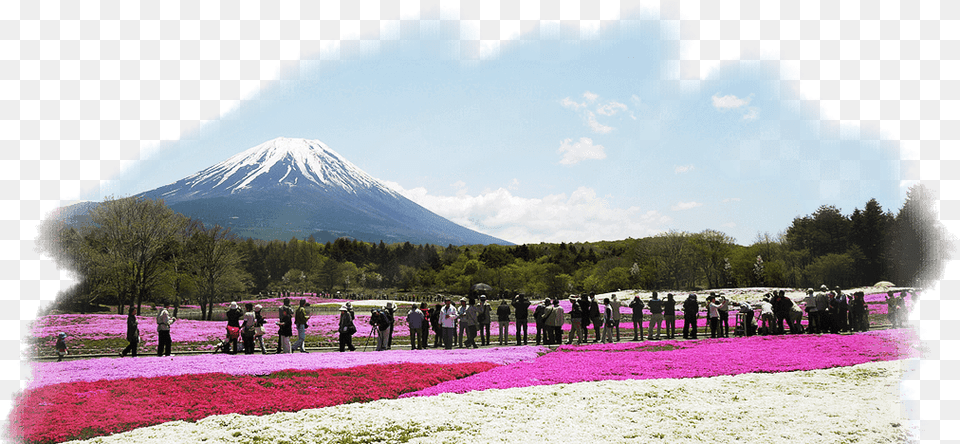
827	311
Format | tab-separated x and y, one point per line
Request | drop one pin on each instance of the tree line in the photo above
135	250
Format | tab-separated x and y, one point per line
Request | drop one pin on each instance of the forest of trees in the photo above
135	251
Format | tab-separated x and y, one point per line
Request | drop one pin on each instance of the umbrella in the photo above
884	284
481	288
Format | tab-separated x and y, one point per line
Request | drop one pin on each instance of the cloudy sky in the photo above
530	123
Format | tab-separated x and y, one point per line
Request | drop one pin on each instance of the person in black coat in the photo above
637	306
690	310
521	307
133	334
595	317
585	320
435	325
503	321
538	320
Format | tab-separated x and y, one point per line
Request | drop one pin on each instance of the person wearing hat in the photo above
164	320
61	346
484	319
258	337
346	328
233	320
390	309
448	321
691	309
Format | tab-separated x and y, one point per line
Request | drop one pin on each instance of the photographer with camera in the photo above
381	320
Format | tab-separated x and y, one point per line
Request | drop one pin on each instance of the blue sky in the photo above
555	138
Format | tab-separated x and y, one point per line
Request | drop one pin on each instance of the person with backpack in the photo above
670	316
258	336
538	318
248	330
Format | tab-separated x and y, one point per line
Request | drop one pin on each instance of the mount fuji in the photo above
287	188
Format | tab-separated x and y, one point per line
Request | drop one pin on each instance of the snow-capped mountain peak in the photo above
278	163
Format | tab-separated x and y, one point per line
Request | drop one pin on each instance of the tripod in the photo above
367	341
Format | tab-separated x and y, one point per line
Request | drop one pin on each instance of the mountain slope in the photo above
287	188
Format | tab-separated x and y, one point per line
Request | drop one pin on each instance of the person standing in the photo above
424	326
61	346
615	306
538	318
483	319
164	321
595	317
656	314
713	315
390	309
670	316
521	307
415	322
810	305
576	314
823	314
461	326
723	313
346	328
300	319
258	337
555	323
637	317
233	327
607	321
691	309
133	334
437	328
286	326
503	321
448	321
249	329
470	319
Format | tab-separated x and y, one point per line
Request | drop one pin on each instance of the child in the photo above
61	346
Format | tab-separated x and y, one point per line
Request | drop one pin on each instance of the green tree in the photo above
218	265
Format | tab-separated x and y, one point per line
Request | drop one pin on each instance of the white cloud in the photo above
596	126
683	169
574	152
752	113
581	216
610	108
729	102
680	206
590	96
571	104
731	199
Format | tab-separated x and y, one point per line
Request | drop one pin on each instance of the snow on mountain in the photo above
298	187
278	163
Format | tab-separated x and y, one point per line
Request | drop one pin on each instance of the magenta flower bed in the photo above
103	326
49	373
80	410
690	359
